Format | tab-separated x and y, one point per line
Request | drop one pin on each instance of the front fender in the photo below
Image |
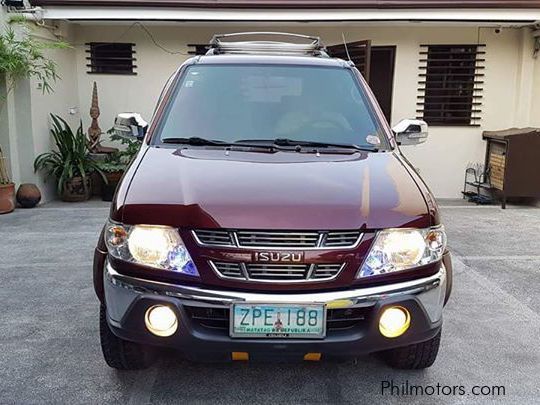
447	261
100	255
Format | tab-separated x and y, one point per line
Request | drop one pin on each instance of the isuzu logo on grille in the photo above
282	257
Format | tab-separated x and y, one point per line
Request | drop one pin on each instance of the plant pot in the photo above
74	190
28	195
97	184
7	198
108	190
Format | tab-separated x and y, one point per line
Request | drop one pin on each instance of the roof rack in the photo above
311	46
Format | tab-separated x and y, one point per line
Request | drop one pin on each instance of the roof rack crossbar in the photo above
311	46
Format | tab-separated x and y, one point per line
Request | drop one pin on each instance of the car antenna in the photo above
345	45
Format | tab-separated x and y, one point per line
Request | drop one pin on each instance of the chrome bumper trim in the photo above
430	291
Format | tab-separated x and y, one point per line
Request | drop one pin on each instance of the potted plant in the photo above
116	163
22	56
71	164
7	187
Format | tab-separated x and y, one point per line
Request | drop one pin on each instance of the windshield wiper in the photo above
314	144
196	141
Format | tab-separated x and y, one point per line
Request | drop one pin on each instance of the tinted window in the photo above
241	102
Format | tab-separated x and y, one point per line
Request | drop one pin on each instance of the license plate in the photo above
278	321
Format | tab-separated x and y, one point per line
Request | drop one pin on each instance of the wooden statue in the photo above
94	132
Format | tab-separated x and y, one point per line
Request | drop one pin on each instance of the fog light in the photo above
161	320
394	322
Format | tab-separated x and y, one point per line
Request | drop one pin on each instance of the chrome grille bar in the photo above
211	237
274	272
287	240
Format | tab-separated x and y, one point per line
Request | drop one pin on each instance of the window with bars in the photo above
450	85
111	58
198	49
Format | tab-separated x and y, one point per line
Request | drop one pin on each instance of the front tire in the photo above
413	357
119	353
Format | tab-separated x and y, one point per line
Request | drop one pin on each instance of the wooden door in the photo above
359	53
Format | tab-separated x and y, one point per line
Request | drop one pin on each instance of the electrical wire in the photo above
148	33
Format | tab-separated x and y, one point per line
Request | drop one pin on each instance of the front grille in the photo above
278	239
229	270
277	272
212	318
336	319
214	238
340	239
325	271
345	318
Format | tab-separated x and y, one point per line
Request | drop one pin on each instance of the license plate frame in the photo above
277	335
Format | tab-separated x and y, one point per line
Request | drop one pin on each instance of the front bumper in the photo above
127	299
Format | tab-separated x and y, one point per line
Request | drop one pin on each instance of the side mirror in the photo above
411	132
129	125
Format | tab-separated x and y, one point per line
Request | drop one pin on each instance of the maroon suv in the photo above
270	214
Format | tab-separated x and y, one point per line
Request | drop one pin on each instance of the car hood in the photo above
207	188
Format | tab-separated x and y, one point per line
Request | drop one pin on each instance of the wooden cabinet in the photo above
513	161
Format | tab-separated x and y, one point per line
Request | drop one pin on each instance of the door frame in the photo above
393	49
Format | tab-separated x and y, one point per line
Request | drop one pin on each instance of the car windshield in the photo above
260	103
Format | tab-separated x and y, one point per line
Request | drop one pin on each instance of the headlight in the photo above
152	245
403	249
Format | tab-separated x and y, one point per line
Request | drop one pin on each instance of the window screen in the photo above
111	58
450	84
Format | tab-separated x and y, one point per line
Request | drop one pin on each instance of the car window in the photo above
305	103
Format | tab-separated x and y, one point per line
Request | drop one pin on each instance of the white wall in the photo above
441	161
24	126
64	97
535	102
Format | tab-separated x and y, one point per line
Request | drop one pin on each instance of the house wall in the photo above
441	160
535	102
24	120
4	107
64	98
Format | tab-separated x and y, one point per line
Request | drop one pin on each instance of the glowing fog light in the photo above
394	322
161	320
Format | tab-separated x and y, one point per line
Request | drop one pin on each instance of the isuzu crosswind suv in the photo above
270	215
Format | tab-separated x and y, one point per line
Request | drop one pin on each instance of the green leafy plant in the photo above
72	158
118	161
24	56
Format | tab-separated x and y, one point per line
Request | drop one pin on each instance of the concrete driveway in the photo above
49	345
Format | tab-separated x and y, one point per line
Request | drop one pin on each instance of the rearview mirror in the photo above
129	125
411	132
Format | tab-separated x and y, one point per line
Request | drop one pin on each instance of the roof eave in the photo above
301	4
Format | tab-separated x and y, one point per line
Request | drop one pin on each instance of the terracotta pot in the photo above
114	177
74	190
7	198
28	195
108	190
